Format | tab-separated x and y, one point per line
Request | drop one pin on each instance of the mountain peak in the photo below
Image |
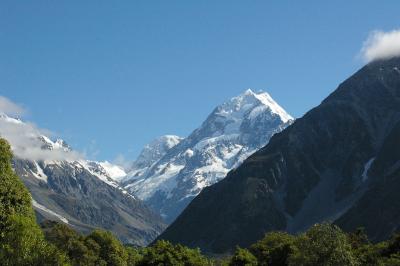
168	179
248	92
238	106
153	152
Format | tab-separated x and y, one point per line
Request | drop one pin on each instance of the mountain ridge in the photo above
68	188
233	131
313	170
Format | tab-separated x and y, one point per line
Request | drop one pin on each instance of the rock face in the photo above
151	154
232	132
76	191
340	162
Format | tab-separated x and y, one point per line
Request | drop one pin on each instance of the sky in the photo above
110	76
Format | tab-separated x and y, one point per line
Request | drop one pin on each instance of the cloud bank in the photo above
381	45
10	108
123	162
27	140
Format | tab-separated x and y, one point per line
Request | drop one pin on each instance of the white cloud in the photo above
122	161
10	108
24	137
381	45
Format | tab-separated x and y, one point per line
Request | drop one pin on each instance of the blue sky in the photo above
109	76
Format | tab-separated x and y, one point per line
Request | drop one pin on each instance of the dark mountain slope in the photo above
314	170
378	211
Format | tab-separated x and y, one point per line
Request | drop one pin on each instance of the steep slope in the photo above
76	191
378	211
150	154
339	161
232	132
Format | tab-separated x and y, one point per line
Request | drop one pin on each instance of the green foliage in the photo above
243	257
102	248
98	248
274	249
14	197
388	252
108	248
323	245
23	244
64	238
165	253
358	238
393	246
363	250
135	256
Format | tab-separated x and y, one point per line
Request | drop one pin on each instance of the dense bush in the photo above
274	249
323	244
242	257
165	253
102	248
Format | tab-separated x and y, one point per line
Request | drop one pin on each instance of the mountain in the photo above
150	154
340	162
233	131
82	193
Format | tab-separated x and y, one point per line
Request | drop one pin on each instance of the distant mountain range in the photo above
171	171
79	192
340	162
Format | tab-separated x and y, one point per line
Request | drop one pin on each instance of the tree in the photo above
135	256
358	238
21	240
23	244
274	249
164	253
366	252
322	245
73	244
14	197
243	257
110	248
393	246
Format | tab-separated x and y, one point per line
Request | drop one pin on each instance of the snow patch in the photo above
114	171
267	100
43	208
164	181
97	170
39	174
364	175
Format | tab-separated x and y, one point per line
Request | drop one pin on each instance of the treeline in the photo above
323	244
24	242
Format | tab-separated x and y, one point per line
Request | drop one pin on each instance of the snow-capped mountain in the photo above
105	171
69	188
150	154
340	162
232	132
